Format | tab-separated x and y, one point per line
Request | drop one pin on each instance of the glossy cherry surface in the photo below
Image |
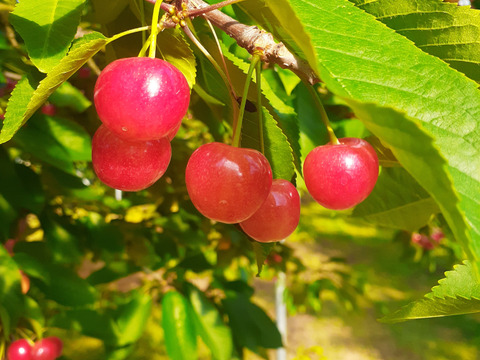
141	98
278	216
226	183
128	165
47	349
19	350
341	176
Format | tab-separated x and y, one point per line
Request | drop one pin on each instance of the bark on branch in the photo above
252	38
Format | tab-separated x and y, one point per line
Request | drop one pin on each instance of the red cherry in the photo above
128	165
141	98
9	245
226	183
341	176
84	72
278	216
423	241
437	234
49	109
47	349
19	350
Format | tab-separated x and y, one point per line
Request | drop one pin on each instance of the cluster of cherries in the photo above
428	242
49	348
141	102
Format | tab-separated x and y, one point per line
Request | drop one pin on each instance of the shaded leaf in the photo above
261	250
251	326
397	201
174	49
69	95
11	299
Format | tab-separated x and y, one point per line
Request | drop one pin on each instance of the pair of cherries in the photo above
234	185
48	348
141	103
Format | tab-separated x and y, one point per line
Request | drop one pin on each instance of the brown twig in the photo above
252	38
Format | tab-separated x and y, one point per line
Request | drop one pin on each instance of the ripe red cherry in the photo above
341	176
278	216
47	349
49	109
141	98
226	183
128	165
19	350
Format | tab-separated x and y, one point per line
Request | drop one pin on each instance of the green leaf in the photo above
3	42
360	58
7	216
67	288
420	156
210	326
397	201
174	49
25	100
69	95
133	318
20	185
90	323
445	30
179	327
48	28
251	326
277	148
458	293
261	250
11	298
56	141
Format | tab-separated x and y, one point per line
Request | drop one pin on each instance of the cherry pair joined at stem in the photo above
141	102
48	348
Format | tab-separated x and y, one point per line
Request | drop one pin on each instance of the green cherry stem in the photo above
258	73
128	32
238	126
217	67
142	17
323	114
145	46
153	35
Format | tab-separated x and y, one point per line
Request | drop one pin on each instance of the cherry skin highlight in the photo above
19	350
226	183
47	349
141	98
278	216
128	165
341	176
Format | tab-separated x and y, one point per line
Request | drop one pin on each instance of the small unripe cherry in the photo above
19	350
340	176
278	216
226	183
128	165
141	98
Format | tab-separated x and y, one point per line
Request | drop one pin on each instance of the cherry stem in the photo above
225	79
258	72
323	115
128	32
153	35
238	126
201	11
145	46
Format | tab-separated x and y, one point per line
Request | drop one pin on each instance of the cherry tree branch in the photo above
254	39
